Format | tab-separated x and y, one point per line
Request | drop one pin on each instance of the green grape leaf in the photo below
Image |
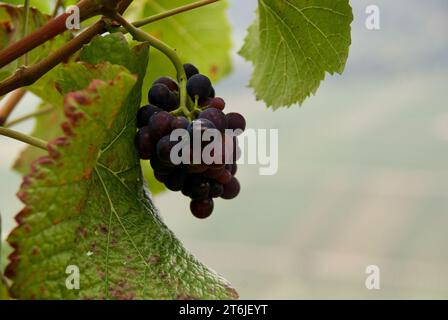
69	77
75	76
86	205
200	36
11	28
66	78
42	5
293	43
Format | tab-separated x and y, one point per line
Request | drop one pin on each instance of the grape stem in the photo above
24	138
171	53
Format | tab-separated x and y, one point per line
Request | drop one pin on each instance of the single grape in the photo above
145	113
197	187
214	173
217	103
231	189
160	125
199	86
204	102
169	82
212	93
175	181
216	189
161	96
143	143
235	121
161	168
199	126
233	168
217	117
190	70
179	123
160	177
202	209
231	150
164	147
225	177
196	168
202	132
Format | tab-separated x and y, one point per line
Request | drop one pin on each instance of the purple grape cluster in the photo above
199	181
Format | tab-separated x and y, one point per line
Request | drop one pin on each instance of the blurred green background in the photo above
363	172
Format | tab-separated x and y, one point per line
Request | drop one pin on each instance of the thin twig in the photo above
10	104
24	138
32	115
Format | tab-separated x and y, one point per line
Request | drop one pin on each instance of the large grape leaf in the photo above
86	205
64	78
11	30
201	36
293	43
52	87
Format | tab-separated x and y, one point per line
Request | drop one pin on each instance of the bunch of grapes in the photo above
197	180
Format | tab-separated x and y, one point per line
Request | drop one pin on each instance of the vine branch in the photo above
24	138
